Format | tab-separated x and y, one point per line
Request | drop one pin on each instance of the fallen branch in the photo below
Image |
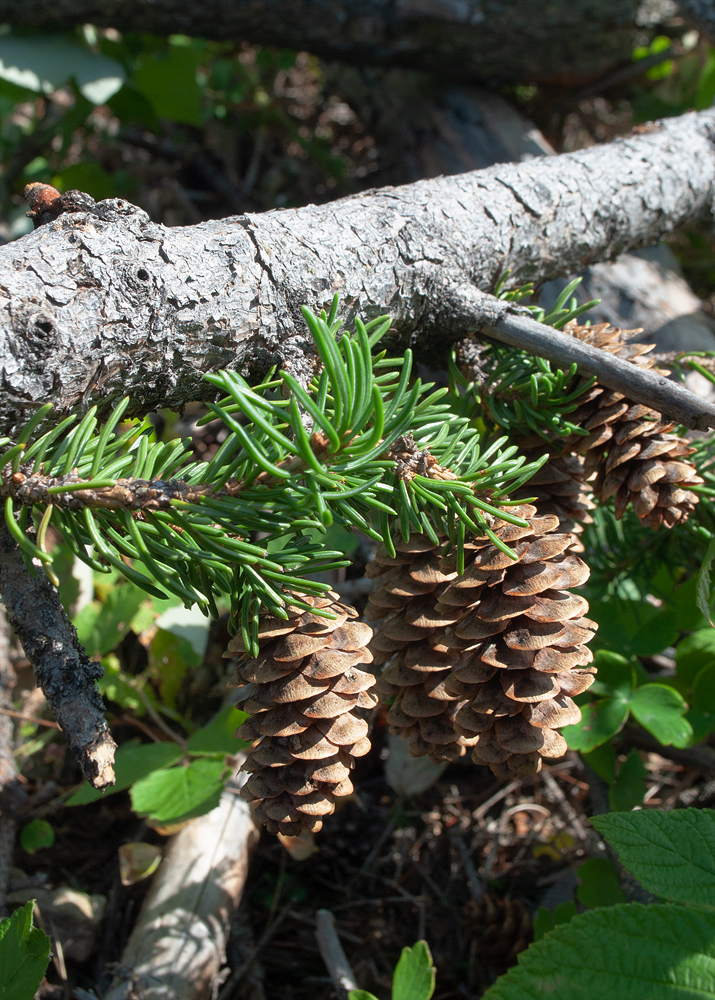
102	302
512	325
178	943
63	670
335	959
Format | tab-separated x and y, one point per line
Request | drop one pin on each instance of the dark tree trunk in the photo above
564	41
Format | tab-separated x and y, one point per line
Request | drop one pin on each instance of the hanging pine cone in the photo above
629	449
493	655
305	686
502	928
558	487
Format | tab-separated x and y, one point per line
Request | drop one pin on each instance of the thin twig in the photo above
513	325
29	718
63	670
572	815
474	883
336	962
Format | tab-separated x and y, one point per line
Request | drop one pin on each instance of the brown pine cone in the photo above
493	654
502	928
304	690
629	449
558	487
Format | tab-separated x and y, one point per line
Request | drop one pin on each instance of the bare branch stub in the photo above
63	670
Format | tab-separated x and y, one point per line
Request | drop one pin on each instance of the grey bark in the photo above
566	41
103	303
62	668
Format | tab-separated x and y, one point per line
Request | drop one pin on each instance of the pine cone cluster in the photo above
302	694
489	659
629	450
502	928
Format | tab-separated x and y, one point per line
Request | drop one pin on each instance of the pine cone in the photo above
304	690
502	928
493	654
558	487
629	448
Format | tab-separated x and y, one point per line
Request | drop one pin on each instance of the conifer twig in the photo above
510	324
62	668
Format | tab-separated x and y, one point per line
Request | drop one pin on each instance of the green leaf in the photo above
43	63
170	795
217	736
660	709
361	995
672	854
102	626
614	675
600	720
169	658
602	760
187	623
415	974
36	834
545	920
598	884
89	177
628	952
704	690
635	627
693	653
628	788
133	762
703	585
24	955
168	81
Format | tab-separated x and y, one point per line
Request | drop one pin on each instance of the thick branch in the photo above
101	303
566	40
62	668
512	325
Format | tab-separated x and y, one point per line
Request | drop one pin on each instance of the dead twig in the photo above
62	668
335	959
513	325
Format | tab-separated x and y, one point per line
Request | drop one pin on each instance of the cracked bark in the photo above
565	41
62	668
103	303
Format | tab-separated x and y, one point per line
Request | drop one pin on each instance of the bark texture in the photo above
102	302
563	41
62	668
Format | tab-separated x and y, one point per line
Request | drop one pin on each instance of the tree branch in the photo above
514	325
63	670
103	303
469	39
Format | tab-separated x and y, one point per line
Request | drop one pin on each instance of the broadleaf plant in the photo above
664	951
24	955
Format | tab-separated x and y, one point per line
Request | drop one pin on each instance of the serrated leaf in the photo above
635	627
132	762
672	854
628	952
598	884
170	656
628	788
24	955
42	63
661	709
600	720
217	736
414	977
171	795
703	586
545	919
